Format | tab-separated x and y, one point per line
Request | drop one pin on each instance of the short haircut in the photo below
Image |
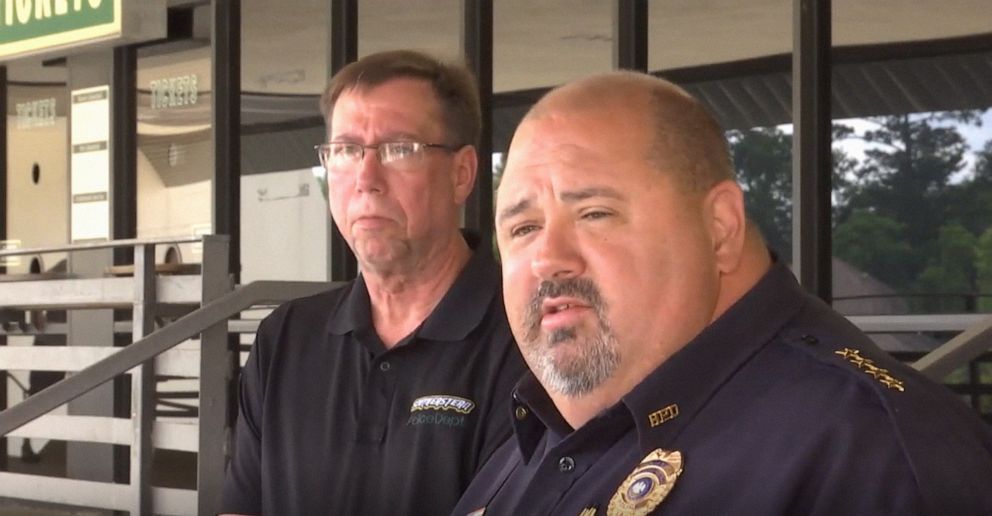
687	141
453	84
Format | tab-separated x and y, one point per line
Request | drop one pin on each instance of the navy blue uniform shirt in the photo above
331	422
781	406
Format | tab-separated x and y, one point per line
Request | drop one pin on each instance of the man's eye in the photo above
520	231
345	151
596	214
399	151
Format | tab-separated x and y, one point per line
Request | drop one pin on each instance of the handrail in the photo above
220	309
958	351
87	246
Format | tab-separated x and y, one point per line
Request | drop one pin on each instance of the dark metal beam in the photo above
226	62
3	236
631	43
478	45
811	160
344	50
124	144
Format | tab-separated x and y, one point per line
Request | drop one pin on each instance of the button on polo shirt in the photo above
331	422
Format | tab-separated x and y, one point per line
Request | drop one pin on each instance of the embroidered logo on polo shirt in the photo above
443	402
649	484
440	410
868	366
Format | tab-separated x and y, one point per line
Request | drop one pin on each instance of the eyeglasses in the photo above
341	155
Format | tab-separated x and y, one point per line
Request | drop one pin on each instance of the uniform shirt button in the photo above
566	464
520	413
384	366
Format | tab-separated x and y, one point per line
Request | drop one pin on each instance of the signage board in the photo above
90	164
37	27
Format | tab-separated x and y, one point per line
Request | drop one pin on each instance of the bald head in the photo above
686	141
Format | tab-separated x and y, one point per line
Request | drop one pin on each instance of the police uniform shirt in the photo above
781	406
331	422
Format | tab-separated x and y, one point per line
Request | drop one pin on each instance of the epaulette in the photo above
858	355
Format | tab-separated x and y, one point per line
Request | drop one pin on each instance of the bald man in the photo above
677	368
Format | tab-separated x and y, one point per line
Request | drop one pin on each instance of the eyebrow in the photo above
515	209
567	197
588	193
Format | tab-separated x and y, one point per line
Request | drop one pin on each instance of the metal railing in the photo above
215	366
212	290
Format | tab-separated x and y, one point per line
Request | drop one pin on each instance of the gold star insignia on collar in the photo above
649	484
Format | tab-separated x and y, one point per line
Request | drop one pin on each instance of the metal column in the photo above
142	382
218	364
226	46
811	160
3	234
124	146
344	50
631	35
478	49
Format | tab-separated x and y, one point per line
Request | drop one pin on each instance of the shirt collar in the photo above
460	311
667	400
539	415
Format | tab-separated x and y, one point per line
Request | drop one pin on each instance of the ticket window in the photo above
37	164
175	160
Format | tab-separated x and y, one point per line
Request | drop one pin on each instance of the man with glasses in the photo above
386	395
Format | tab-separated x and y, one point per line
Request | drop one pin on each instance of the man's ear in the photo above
466	167
725	215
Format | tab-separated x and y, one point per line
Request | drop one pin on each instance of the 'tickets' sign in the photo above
30	27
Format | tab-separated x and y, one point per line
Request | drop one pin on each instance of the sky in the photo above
974	135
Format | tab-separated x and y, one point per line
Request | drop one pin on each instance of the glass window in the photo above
736	58
543	44
284	217
37	160
175	141
912	199
686	33
433	26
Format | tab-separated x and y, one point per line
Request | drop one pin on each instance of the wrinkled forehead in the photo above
567	152
408	104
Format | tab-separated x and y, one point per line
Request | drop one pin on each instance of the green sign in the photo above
32	25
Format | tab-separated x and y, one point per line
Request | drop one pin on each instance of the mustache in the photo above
580	288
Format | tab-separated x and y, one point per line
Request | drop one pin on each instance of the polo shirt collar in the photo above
667	400
460	311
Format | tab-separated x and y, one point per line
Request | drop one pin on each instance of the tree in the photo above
763	160
949	277
876	244
907	171
983	270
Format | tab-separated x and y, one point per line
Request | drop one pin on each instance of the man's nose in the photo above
370	175
558	255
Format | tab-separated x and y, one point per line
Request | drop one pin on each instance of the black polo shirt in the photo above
331	422
781	406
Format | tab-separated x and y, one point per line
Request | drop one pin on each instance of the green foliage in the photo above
763	160
876	244
907	213
983	270
949	277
